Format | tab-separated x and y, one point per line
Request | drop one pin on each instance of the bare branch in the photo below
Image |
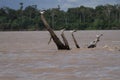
64	39
76	44
56	40
94	43
49	40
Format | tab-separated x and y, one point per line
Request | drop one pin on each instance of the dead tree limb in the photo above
56	40
94	43
76	44
64	39
49	40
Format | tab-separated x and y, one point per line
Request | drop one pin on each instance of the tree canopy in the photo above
101	17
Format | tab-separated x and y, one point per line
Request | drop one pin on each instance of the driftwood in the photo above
76	44
94	43
56	40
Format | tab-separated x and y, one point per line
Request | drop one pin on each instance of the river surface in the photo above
26	55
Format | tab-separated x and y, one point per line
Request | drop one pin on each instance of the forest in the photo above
102	17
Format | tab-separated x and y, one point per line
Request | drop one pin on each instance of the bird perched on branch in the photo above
42	11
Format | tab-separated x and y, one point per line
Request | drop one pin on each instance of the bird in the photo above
42	11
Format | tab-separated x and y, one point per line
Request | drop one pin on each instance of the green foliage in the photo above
81	18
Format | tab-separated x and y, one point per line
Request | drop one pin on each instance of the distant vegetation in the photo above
102	17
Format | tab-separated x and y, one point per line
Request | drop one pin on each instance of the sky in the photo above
64	4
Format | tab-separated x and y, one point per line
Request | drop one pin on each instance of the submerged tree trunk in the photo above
57	41
94	43
76	44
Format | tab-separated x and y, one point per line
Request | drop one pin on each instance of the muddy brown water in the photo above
27	56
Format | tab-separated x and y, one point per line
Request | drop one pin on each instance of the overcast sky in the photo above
64	4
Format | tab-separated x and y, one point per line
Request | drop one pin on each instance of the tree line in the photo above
102	17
